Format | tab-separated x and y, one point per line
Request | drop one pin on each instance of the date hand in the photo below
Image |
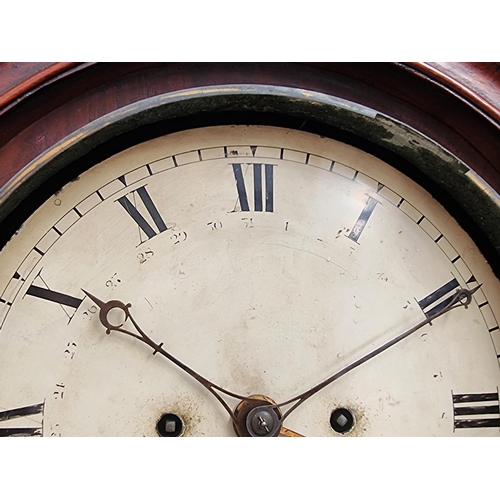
289	433
461	298
106	307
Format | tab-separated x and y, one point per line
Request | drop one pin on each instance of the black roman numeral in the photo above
138	217
26	411
45	293
476	410
52	296
363	219
433	297
257	187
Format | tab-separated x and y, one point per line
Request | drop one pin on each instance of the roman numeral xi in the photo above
149	208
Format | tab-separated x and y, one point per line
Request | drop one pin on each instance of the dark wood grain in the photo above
457	105
80	94
19	80
477	82
14	74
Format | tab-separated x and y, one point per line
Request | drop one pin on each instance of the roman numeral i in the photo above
362	221
42	291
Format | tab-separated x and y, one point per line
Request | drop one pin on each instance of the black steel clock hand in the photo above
259	416
461	298
106	307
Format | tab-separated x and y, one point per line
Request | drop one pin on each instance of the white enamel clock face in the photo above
266	260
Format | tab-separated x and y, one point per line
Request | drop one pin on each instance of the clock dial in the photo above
266	261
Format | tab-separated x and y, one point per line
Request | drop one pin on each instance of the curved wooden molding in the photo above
19	80
475	83
467	81
455	104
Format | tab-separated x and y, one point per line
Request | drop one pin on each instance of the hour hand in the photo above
106	307
99	302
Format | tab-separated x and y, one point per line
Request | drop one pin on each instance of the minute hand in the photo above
461	298
105	307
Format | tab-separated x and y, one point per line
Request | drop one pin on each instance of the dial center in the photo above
262	422
256	418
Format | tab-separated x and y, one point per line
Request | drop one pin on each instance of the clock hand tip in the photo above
463	296
99	302
470	293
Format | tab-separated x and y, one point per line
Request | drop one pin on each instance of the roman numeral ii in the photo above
433	298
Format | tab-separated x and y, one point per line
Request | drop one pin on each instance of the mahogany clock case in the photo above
45	104
76	116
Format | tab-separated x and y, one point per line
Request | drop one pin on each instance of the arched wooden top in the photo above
455	104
